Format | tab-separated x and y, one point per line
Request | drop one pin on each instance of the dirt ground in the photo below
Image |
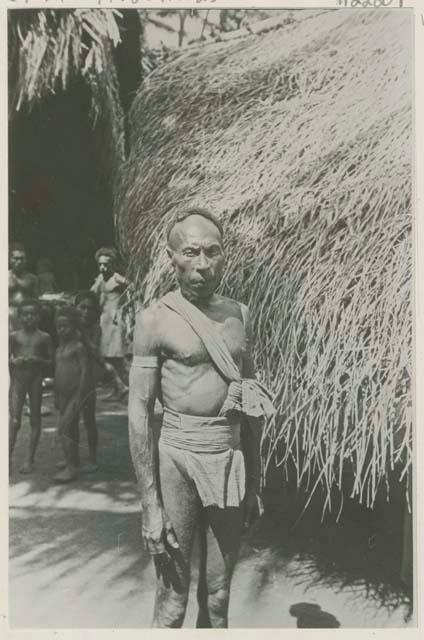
76	560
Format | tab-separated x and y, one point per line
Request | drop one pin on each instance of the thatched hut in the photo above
300	140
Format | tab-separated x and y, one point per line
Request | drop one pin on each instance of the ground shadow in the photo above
311	616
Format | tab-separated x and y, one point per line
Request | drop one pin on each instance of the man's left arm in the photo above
251	436
95	287
121	280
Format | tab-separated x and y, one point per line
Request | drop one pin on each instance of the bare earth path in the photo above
76	558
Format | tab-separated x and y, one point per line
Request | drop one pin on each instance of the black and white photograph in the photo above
211	389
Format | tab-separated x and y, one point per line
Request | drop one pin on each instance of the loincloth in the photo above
210	451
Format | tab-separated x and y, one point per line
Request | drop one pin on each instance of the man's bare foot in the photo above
90	467
27	468
66	476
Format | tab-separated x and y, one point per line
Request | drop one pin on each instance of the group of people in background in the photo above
78	338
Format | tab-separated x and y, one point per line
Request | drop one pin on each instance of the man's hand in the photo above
253	508
159	539
158	532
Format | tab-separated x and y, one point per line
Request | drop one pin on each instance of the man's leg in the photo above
203	621
17	393
122	370
89	417
222	531
69	436
112	367
181	504
35	395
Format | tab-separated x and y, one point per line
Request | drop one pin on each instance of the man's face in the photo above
106	266
65	328
17	261
29	317
197	254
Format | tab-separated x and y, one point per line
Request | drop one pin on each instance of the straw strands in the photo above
50	49
300	140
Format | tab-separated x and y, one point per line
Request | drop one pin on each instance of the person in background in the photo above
72	386
45	277
30	351
22	283
109	287
88	312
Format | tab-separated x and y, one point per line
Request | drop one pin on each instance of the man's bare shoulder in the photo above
233	306
151	323
22	336
151	315
43	335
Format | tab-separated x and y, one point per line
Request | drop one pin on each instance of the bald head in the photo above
193	226
198	212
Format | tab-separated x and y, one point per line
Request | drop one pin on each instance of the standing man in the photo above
109	287
192	349
22	284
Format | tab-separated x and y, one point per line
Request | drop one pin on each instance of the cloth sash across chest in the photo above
210	446
245	395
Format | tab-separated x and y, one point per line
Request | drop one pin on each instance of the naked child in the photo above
30	352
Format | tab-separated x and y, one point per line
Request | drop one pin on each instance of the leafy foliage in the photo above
49	49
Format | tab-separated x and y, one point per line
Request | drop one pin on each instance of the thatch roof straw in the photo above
50	49
300	140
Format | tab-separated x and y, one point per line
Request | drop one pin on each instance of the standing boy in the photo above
30	351
88	312
72	386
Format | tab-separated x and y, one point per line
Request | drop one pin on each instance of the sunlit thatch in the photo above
301	141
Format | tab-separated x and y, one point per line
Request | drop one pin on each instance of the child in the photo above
72	386
86	303
30	351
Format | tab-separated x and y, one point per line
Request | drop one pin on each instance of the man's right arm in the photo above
95	286
143	391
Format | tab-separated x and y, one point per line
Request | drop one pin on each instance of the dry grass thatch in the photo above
301	141
49	49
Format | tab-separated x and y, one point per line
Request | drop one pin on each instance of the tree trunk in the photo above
128	64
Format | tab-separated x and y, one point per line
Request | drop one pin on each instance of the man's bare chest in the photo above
20	284
182	344
29	343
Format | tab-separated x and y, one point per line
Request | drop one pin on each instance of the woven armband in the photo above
145	362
